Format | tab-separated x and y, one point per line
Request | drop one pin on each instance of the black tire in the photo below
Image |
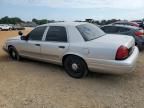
140	48
75	67
0	29
13	54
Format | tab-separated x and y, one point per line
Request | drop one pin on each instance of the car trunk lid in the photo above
118	40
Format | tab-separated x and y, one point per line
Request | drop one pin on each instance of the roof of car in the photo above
125	21
125	26
64	24
136	21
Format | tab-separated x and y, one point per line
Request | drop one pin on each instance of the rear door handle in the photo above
62	47
37	44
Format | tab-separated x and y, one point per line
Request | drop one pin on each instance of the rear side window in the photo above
37	33
56	33
110	29
90	31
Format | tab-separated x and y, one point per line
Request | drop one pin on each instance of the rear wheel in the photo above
75	67
13	53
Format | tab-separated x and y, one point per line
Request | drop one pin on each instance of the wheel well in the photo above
63	59
10	46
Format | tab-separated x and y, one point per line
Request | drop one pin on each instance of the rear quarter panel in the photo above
101	50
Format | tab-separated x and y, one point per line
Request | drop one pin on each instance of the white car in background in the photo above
5	27
79	47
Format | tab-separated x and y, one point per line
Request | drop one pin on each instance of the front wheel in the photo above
75	67
13	53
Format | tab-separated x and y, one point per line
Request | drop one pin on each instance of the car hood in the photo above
115	39
14	38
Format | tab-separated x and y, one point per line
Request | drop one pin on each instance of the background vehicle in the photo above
126	23
136	32
140	22
18	27
11	26
4	27
79	47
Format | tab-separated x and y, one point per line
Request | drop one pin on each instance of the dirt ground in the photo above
31	84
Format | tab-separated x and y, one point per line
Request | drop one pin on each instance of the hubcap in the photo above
13	54
74	66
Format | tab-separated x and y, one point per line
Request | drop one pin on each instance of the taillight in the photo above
139	33
122	53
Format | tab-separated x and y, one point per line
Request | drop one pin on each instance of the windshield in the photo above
90	31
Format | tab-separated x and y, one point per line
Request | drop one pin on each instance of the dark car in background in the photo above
136	32
126	23
140	22
137	21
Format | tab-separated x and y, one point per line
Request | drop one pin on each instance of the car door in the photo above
55	45
32	47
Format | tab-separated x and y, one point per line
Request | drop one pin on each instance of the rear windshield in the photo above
90	31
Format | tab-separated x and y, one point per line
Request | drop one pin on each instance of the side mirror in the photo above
20	33
24	38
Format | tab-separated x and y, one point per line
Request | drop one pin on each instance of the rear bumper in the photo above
114	66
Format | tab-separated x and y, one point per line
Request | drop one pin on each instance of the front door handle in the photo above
37	44
62	47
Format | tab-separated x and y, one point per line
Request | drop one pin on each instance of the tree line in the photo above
7	20
16	20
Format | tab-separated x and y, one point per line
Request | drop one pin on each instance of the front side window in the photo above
37	33
56	33
90	31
